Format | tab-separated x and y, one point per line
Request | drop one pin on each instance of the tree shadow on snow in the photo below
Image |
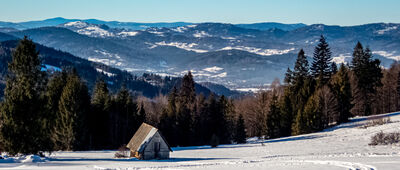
209	147
293	138
132	159
357	121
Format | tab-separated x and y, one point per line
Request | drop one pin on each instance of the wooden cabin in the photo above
148	143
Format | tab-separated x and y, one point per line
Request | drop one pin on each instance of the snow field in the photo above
340	147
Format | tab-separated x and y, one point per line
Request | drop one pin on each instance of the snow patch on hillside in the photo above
259	51
250	89
95	31
114	59
228	38
192	26
128	33
77	24
179	29
387	29
342	58
185	46
158	33
390	55
105	72
213	69
201	34
224	74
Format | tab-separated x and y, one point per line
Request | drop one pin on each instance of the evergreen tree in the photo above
185	109
141	114
222	119
303	86
340	86
200	123
301	70
368	77
301	99
295	96
54	90
74	106
288	76
273	118
23	122
300	124
334	68
172	99
313	114
187	93
126	110
102	123
321	65
213	114
240	135
286	110
168	119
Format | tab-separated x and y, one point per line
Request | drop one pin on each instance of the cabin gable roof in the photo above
142	137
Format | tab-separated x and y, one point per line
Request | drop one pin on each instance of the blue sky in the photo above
332	12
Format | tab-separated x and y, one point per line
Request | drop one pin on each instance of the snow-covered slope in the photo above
341	147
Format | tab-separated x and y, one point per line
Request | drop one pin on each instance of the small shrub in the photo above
385	138
376	122
122	152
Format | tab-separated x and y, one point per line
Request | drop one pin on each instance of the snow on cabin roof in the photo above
142	136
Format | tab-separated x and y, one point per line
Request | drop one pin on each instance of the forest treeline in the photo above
46	112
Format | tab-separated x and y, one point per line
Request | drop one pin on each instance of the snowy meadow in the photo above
345	146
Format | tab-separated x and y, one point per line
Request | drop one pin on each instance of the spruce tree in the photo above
54	90
286	110
340	86
313	114
211	117
141	117
22	112
240	135
303	84
102	124
301	99
368	77
288	76
168	119
221	121
74	106
185	109
301	70
200	121
187	93
295	95
172	99
125	109
334	68
321	65
274	118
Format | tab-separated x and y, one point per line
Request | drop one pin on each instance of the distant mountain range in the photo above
135	25
53	60
239	56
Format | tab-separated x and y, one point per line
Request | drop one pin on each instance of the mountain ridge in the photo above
221	53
